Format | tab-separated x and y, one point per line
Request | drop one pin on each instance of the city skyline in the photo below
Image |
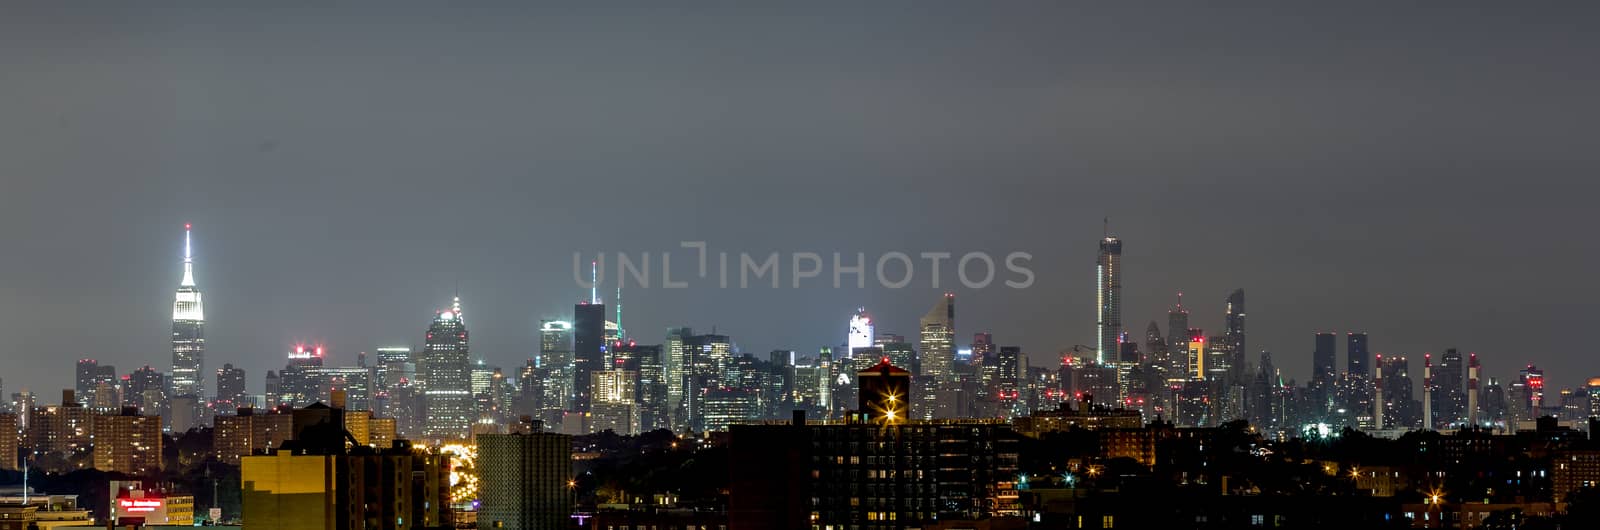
1350	205
188	310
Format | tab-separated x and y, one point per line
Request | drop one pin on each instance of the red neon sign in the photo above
138	505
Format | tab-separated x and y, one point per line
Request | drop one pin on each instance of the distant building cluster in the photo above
877	431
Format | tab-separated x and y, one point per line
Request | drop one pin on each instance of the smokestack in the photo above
68	397
1427	391
1472	390
1377	393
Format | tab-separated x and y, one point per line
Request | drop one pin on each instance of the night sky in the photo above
1422	174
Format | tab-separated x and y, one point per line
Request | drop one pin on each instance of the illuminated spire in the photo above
188	259
188	305
594	282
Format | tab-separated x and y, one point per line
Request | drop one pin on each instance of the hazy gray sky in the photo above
1423	174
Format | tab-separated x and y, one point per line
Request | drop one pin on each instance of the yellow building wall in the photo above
286	491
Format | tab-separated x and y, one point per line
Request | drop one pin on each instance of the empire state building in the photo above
188	331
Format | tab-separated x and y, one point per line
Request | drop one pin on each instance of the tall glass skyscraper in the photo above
588	349
1178	340
1108	300
555	360
938	339
938	355
1233	334
449	376
1323	371
188	331
1359	358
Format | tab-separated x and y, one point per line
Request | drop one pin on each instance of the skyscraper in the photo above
1108	299
188	331
448	396
230	389
1178	339
555	361
1322	360
860	331
938	351
85	387
675	368
588	349
1449	395
938	338
1233	335
1196	354
1359	357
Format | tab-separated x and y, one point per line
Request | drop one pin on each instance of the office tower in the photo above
1357	353
650	388
1450	399
859	334
272	388
728	406
938	337
653	411
884	393
394	363
1472	390
780	358
1009	378
146	389
1428	391
1266	401
1234	336
23	403
1108	299
1196	354
1574	405
183	413
900	354
1218	358
1323	371
1592	387
1377	398
188	331
530	392
1533	379
1493	404
675	365
85	387
8	441
448	391
615	401
297	382
938	352
588	348
522	480
556	361
1156	348
107	389
127	443
354	381
230	388
982	346
1178	340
